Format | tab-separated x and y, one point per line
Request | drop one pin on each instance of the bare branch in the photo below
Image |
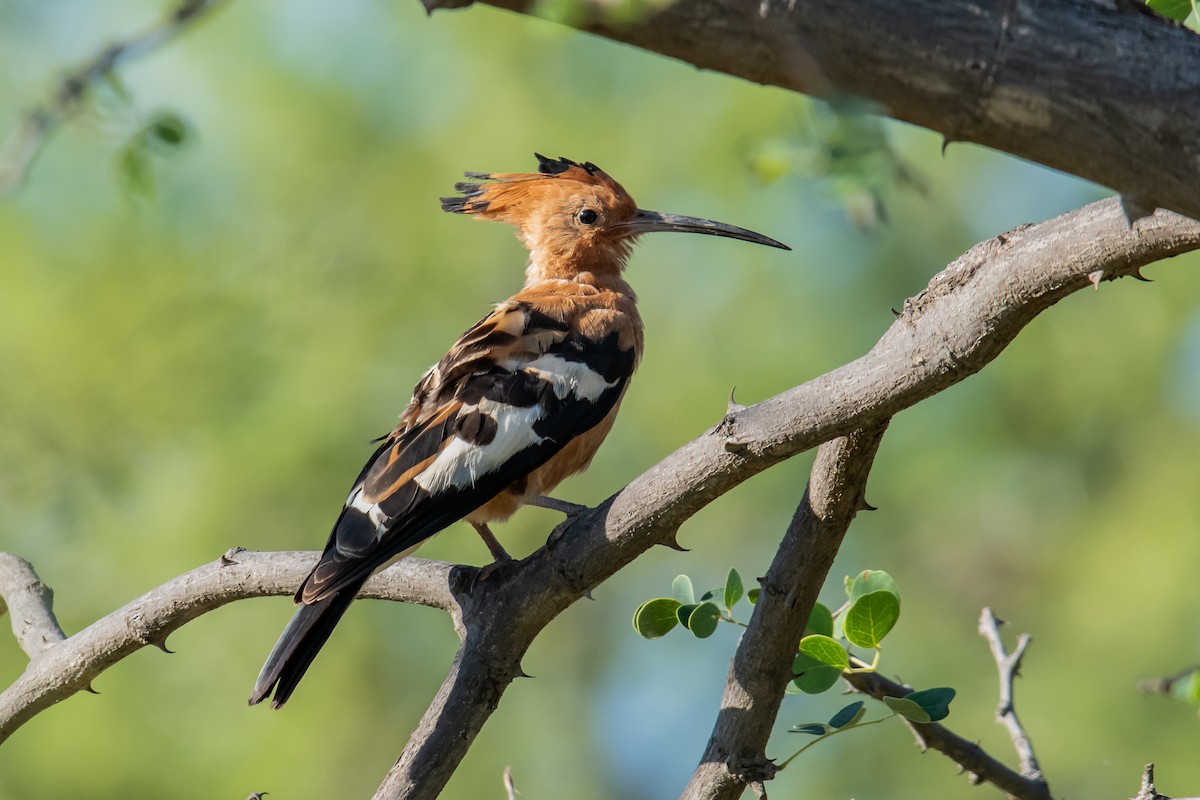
762	667
29	137
69	665
972	758
1149	792
29	602
1009	666
1075	85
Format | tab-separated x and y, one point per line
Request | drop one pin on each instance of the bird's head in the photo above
575	218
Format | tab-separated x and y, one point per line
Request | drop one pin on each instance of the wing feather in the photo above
514	390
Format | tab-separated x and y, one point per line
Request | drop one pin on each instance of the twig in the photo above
29	137
510	788
762	667
1149	792
29	602
1009	666
973	759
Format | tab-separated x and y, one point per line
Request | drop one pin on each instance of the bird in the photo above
521	401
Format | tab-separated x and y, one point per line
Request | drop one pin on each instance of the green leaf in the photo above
733	588
655	618
849	715
815	728
168	129
681	590
684	612
935	702
753	594
715	592
871	580
870	617
1191	691
1177	10
819	664
703	621
820	620
907	708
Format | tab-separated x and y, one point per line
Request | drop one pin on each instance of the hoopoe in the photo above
522	400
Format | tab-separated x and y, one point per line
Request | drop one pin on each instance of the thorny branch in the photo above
1008	665
959	323
1166	684
1076	85
973	759
26	141
62	667
762	667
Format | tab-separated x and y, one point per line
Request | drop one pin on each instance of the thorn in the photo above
588	594
520	673
257	795
733	406
674	544
89	689
946	140
863	505
1137	275
1095	277
895	313
228	559
161	644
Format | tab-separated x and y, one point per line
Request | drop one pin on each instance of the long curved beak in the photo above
652	221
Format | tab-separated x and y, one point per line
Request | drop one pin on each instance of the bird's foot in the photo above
500	556
561	506
485	572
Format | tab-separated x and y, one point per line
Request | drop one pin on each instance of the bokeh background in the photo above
199	363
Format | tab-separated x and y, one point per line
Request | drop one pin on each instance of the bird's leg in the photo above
500	556
561	506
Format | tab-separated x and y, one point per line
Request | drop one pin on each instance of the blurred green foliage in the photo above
204	368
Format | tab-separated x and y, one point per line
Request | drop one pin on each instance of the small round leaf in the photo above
681	590
753	594
907	709
936	702
871	617
819	664
703	621
820	621
849	715
871	580
815	728
733	588
655	618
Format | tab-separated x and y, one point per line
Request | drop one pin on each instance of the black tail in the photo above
299	644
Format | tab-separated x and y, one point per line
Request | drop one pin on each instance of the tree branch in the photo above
762	667
1149	792
967	754
29	602
1083	86
29	137
61	668
1009	666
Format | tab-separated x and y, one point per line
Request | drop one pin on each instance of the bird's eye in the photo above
588	216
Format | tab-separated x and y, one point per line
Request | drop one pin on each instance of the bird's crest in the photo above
498	194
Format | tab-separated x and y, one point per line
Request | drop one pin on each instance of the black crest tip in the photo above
477	176
553	166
